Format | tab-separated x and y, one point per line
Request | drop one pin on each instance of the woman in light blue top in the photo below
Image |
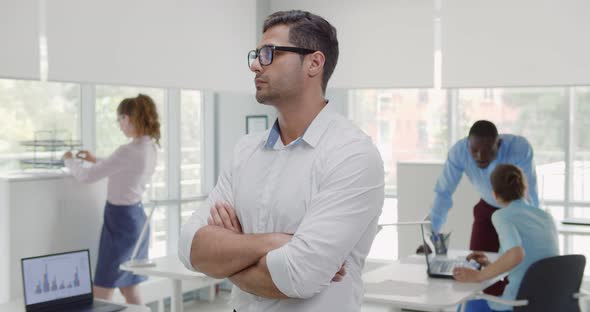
527	234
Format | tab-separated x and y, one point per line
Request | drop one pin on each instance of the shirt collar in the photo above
318	127
274	134
517	202
311	136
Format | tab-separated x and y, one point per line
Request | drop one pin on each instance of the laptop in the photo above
442	267
61	282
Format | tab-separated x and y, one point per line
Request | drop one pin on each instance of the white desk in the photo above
171	267
19	306
405	284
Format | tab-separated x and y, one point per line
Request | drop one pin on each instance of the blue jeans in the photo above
478	306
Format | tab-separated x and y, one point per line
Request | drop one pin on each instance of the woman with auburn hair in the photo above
128	170
527	234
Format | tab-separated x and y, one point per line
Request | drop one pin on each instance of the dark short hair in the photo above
483	129
508	182
310	31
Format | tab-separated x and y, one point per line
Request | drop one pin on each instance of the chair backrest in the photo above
549	284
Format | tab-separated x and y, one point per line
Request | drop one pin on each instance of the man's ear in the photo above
316	63
498	142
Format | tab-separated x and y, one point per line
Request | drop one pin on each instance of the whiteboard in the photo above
416	183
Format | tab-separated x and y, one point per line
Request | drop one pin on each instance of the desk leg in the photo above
176	304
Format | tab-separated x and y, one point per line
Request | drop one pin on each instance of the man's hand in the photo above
224	215
340	274
467	275
479	257
67	155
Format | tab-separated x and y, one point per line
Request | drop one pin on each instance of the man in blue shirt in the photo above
477	156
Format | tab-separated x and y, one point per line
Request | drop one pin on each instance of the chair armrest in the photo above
512	303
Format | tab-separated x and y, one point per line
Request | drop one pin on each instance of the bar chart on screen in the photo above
44	286
56	277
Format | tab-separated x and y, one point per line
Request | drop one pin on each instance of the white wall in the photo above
416	183
338	101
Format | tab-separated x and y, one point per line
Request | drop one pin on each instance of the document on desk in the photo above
412	272
404	282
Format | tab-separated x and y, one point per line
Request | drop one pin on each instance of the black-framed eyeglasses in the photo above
266	53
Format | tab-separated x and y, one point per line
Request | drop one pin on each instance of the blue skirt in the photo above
120	232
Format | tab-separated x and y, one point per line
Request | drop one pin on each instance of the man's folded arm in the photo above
216	251
220	253
256	280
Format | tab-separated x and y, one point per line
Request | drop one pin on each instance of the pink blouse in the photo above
129	169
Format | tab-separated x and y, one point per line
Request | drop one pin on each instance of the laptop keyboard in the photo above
445	266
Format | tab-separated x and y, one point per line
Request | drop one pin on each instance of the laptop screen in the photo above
56	277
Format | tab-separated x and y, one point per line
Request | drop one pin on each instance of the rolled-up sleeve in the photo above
221	192
350	196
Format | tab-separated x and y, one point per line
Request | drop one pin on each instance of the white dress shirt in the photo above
326	188
129	169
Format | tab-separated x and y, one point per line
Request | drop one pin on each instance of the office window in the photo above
558	212
191	139
581	166
29	106
488	95
580	244
405	125
537	114
423	97
109	137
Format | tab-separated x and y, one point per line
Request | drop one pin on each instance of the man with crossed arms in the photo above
292	219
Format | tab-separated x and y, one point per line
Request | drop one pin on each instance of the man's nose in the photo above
255	65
